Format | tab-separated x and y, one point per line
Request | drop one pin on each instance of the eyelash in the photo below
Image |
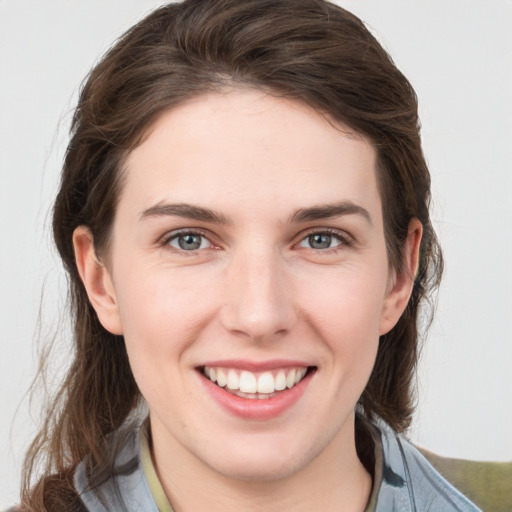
165	242
344	240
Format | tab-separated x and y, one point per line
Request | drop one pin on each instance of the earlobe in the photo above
97	280
401	288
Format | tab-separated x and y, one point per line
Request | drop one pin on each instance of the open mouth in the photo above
256	385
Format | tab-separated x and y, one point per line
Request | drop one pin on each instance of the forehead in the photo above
247	146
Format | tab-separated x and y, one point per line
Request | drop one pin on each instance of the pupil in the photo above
320	241
189	242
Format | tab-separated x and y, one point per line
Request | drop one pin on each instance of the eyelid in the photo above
170	235
345	238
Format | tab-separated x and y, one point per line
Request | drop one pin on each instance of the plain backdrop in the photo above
456	53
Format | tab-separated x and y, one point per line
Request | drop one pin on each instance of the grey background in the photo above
457	55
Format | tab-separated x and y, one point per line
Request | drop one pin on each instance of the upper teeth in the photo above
249	382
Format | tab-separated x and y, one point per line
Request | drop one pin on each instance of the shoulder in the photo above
125	487
408	481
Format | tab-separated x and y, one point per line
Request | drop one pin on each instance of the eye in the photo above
321	241
189	241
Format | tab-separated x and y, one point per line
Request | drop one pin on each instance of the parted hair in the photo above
310	51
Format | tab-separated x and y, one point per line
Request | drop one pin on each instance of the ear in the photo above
97	280
401	286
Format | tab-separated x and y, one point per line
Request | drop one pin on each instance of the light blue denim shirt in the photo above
403	480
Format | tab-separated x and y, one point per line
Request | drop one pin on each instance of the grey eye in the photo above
320	241
189	242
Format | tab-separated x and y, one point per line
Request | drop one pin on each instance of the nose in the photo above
258	303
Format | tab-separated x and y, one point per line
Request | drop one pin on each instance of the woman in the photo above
243	214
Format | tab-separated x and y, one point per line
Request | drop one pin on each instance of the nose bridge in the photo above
258	302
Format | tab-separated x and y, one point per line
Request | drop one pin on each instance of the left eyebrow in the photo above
326	211
187	211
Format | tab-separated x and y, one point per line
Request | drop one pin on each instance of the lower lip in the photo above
257	409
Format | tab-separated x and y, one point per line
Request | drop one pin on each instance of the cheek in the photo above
161	318
346	315
162	304
349	302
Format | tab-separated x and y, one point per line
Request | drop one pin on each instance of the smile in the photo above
262	385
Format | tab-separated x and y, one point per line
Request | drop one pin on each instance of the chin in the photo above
269	470
257	461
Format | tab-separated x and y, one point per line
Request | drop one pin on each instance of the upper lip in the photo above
256	366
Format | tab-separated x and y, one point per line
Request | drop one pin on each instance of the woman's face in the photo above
248	252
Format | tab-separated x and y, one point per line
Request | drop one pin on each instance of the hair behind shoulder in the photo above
309	51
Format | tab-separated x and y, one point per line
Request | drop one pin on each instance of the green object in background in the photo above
487	484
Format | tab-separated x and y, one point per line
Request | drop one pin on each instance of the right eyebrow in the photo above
185	210
327	211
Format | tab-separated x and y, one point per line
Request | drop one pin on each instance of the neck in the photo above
332	481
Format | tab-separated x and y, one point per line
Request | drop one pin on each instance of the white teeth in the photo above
300	375
266	383
280	383
232	380
290	380
248	383
221	378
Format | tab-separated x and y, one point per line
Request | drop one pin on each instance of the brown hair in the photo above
310	51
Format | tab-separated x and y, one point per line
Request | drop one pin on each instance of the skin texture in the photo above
255	291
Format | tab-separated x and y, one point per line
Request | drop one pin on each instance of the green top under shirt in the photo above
155	487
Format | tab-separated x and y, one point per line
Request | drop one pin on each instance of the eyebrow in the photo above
327	211
187	211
